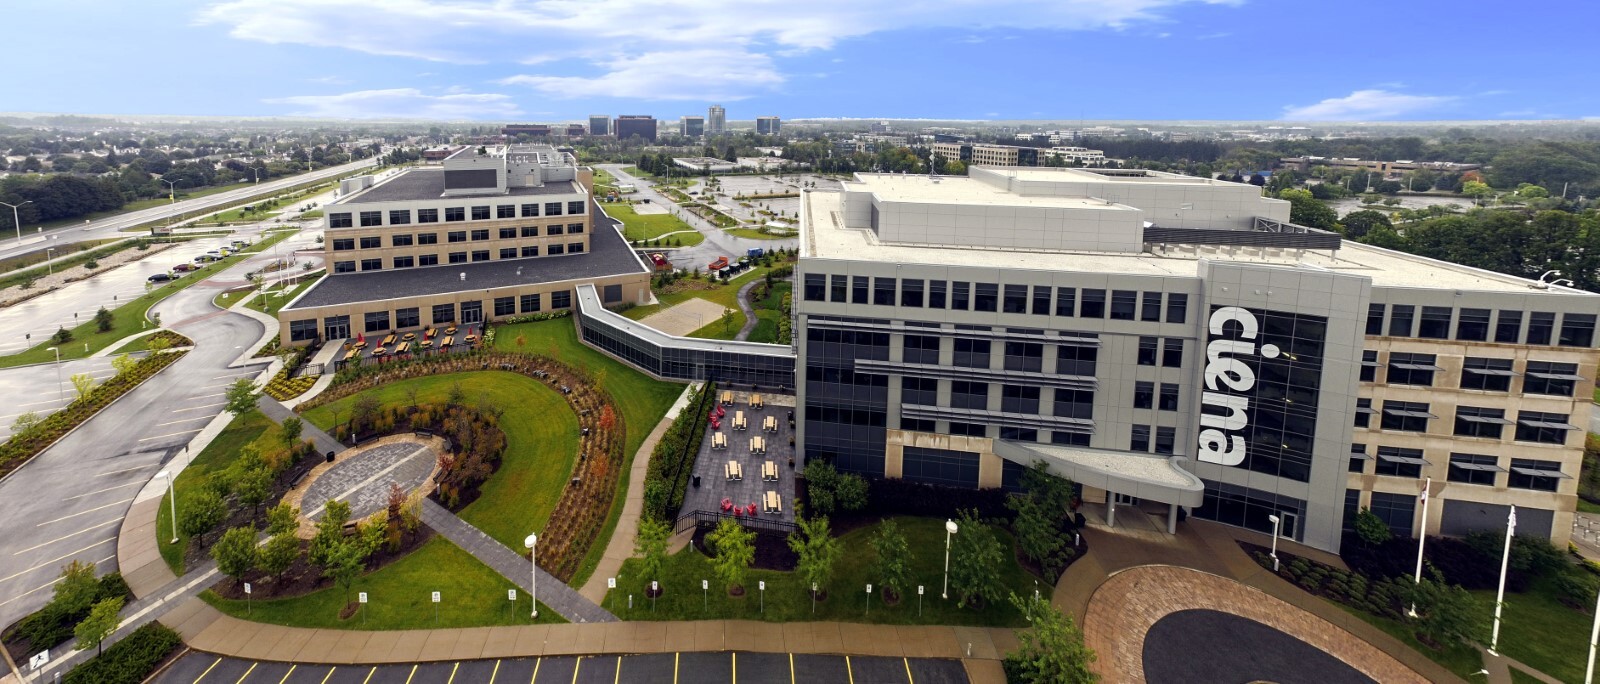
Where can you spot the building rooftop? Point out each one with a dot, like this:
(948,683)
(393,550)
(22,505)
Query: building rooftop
(426,184)
(1141,176)
(960,189)
(608,255)
(825,236)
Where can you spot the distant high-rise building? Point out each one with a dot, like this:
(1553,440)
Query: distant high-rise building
(716,120)
(531,130)
(767,125)
(599,124)
(881,127)
(692,126)
(641,125)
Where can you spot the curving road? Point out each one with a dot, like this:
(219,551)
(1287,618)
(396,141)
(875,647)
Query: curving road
(718,242)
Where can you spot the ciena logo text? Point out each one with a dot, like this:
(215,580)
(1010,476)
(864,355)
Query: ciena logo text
(1229,381)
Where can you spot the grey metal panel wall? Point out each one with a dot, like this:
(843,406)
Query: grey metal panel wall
(1242,238)
(1463,517)
(473,178)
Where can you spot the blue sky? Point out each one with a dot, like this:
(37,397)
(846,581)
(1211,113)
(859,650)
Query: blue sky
(552,60)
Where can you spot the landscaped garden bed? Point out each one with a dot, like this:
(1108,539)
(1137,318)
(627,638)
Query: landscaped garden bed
(74,594)
(131,660)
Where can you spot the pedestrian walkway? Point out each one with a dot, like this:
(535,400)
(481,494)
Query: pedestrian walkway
(276,411)
(620,547)
(511,565)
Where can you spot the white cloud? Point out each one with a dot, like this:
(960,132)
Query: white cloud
(401,103)
(1367,105)
(709,74)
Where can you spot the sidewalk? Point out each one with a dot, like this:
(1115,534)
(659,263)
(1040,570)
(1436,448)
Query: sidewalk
(277,412)
(620,546)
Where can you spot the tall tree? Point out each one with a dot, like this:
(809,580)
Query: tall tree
(202,513)
(1051,650)
(279,554)
(736,551)
(241,396)
(975,561)
(650,545)
(1041,518)
(893,567)
(235,552)
(101,623)
(816,551)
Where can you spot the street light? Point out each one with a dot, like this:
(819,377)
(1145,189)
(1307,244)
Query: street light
(14,218)
(59,387)
(47,258)
(1276,525)
(1422,539)
(949,531)
(533,553)
(172,190)
(172,496)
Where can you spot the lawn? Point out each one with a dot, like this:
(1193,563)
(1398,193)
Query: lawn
(1520,677)
(399,596)
(188,193)
(651,226)
(541,444)
(313,214)
(217,456)
(769,310)
(755,234)
(1538,630)
(726,294)
(129,318)
(643,400)
(787,599)
(238,215)
(1462,659)
(274,300)
(1586,506)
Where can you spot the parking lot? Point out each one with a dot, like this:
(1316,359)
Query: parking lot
(655,668)
(765,185)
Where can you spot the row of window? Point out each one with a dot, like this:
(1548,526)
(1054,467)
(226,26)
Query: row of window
(1145,397)
(457,257)
(1019,356)
(1166,438)
(409,239)
(1474,325)
(402,217)
(1477,373)
(1020,399)
(442,314)
(1525,473)
(982,430)
(1470,421)
(1042,300)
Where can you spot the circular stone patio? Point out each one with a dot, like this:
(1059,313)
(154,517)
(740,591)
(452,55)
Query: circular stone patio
(1164,624)
(362,475)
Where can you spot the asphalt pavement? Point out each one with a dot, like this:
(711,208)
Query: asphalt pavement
(717,243)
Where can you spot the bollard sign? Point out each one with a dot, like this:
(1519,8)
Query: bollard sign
(511,594)
(247,588)
(436,597)
(362,597)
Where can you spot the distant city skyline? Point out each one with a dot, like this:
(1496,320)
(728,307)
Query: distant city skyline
(1005,60)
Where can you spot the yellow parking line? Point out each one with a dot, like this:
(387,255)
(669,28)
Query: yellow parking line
(413,674)
(246,673)
(536,662)
(575,666)
(452,678)
(286,674)
(208,671)
(369,674)
(909,679)
(791,668)
(849,670)
(735,662)
(328,676)
(495,673)
(618,679)
(675,668)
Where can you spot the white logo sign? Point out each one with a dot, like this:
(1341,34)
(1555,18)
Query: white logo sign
(1226,373)
(611,583)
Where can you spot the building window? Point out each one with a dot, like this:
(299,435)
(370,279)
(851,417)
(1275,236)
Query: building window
(1543,428)
(959,293)
(1139,438)
(400,240)
(1369,365)
(505,306)
(427,216)
(458,257)
(1094,304)
(1019,434)
(1472,325)
(1066,300)
(1435,323)
(1375,318)
(505,211)
(1552,379)
(455,214)
(480,213)
(968,429)
(883,291)
(1150,307)
(377,321)
(554,229)
(456,236)
(480,255)
(302,330)
(1577,330)
(1473,469)
(936,294)
(480,235)
(1166,440)
(971,353)
(1144,395)
(969,395)
(858,289)
(371,242)
(1399,462)
(1069,438)
(508,233)
(1041,300)
(1016,300)
(530,302)
(1169,397)
(1073,404)
(1508,326)
(529,231)
(1019,399)
(530,251)
(1411,369)
(1543,476)
(1400,320)
(341,220)
(404,262)
(1024,356)
(399,217)
(428,260)
(575,208)
(1172,353)
(561,299)
(574,228)
(920,349)
(1364,413)
(919,391)
(1473,421)
(1123,303)
(1073,360)
(409,317)
(1358,458)
(444,313)
(344,244)
(371,218)
(530,211)
(371,264)
(1395,510)
(985,297)
(1493,375)
(918,425)
(911,292)
(1147,350)
(552,208)
(1177,308)
(1541,325)
(816,283)
(427,238)
(1406,416)
(555,250)
(508,252)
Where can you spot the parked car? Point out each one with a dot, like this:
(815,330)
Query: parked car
(207,258)
(184,268)
(240,244)
(161,278)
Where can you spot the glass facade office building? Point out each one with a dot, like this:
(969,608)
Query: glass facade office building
(682,358)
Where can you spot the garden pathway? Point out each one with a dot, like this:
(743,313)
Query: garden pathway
(510,564)
(277,412)
(750,319)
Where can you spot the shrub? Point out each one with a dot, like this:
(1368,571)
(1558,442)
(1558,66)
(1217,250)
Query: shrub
(129,661)
(673,457)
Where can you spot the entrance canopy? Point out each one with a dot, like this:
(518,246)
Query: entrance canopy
(1150,477)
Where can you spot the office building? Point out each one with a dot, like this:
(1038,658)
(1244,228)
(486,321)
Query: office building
(1173,342)
(509,231)
(643,126)
(716,120)
(767,125)
(531,130)
(692,126)
(599,124)
(981,154)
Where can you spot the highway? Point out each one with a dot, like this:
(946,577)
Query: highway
(112,226)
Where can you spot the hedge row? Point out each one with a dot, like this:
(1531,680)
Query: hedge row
(22,447)
(129,661)
(667,481)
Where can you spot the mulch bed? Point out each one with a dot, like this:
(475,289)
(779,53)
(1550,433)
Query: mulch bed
(772,550)
(239,516)
(303,578)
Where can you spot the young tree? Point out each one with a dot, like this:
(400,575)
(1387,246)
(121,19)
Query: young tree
(282,518)
(235,552)
(292,429)
(330,533)
(251,479)
(83,383)
(1372,530)
(651,547)
(850,492)
(894,558)
(77,589)
(1051,651)
(101,623)
(975,560)
(205,510)
(363,412)
(123,363)
(279,554)
(816,551)
(344,564)
(1039,524)
(104,320)
(736,551)
(727,321)
(1447,612)
(25,422)
(241,396)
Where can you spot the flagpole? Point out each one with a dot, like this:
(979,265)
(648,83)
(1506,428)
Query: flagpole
(1500,596)
(1422,538)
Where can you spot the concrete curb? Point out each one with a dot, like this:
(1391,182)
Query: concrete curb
(271,324)
(120,343)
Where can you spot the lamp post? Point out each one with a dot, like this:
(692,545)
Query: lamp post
(1277,524)
(949,531)
(61,390)
(172,496)
(49,266)
(172,190)
(1422,539)
(1594,636)
(14,219)
(533,554)
(1500,596)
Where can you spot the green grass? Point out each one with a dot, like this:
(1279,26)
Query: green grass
(313,214)
(218,456)
(726,294)
(239,215)
(769,310)
(1539,631)
(399,597)
(139,344)
(128,317)
(1462,659)
(643,400)
(787,599)
(1586,506)
(651,226)
(1520,677)
(541,444)
(755,234)
(163,200)
(274,300)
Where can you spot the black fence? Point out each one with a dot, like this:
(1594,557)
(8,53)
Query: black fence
(709,520)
